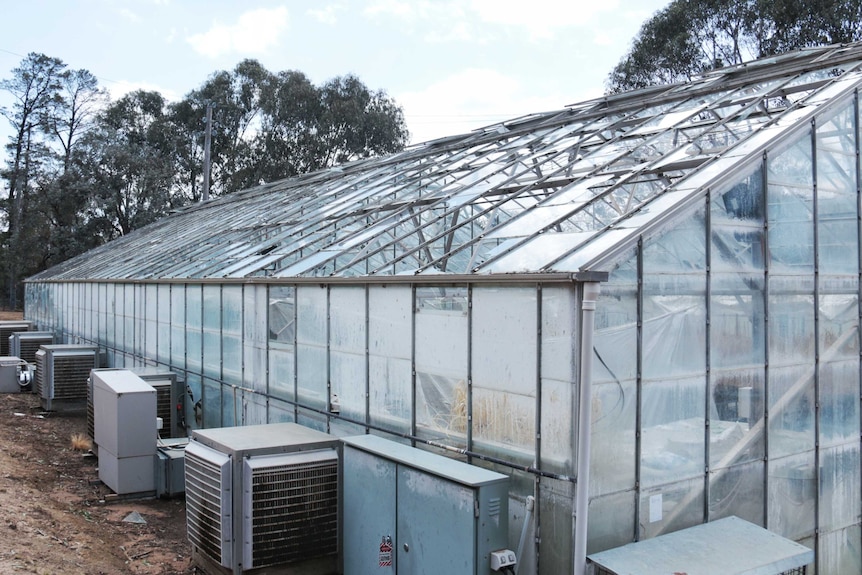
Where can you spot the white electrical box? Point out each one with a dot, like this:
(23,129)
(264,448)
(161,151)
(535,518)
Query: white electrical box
(125,430)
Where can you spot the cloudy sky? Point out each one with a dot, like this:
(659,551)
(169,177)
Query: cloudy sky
(453,65)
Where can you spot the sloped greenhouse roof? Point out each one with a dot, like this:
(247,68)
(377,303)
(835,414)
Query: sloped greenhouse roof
(566,191)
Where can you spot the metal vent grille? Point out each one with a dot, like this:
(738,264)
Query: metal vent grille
(7,328)
(291,508)
(70,376)
(208,517)
(164,406)
(24,345)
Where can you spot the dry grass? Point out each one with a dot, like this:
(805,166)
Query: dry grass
(80,442)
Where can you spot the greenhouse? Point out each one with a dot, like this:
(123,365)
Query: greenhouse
(666,281)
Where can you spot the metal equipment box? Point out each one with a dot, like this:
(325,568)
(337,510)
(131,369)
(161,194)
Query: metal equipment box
(170,467)
(125,430)
(9,369)
(413,511)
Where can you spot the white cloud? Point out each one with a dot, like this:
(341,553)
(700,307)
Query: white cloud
(254,33)
(468,100)
(130,15)
(327,14)
(119,88)
(541,18)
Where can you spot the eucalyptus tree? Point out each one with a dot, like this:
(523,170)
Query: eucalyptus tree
(35,87)
(688,37)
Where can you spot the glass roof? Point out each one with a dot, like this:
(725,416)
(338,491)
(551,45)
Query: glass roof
(563,191)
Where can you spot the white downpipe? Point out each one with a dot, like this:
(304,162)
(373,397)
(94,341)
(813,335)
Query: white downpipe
(585,401)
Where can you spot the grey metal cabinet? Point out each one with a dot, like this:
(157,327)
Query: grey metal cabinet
(438,515)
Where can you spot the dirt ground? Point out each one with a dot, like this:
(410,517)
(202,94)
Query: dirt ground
(56,517)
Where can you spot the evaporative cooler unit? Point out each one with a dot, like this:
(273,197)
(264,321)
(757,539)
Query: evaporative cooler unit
(25,344)
(62,372)
(263,498)
(7,328)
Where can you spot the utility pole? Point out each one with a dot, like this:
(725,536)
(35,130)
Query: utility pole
(205,194)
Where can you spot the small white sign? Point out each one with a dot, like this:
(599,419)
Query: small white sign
(655,512)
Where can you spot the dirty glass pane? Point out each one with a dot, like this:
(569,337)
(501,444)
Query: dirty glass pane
(614,409)
(737,321)
(670,508)
(839,403)
(347,351)
(611,521)
(738,491)
(791,327)
(212,402)
(791,410)
(840,551)
(390,345)
(673,427)
(311,353)
(790,195)
(178,326)
(504,371)
(282,302)
(149,309)
(255,409)
(840,492)
(163,353)
(212,336)
(194,336)
(558,415)
(279,411)
(736,219)
(441,363)
(254,337)
(736,415)
(232,334)
(556,499)
(791,485)
(836,193)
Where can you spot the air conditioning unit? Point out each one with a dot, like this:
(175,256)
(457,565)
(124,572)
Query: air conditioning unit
(25,344)
(62,372)
(169,399)
(263,497)
(7,328)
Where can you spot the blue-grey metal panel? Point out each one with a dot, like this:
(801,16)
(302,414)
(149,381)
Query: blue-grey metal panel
(368,511)
(724,547)
(436,524)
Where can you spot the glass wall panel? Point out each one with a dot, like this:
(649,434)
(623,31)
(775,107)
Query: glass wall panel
(790,197)
(255,409)
(212,336)
(611,521)
(840,552)
(194,333)
(839,403)
(791,410)
(390,328)
(231,334)
(504,346)
(736,220)
(178,326)
(282,342)
(791,484)
(614,409)
(555,513)
(312,363)
(163,354)
(281,412)
(738,491)
(129,319)
(255,306)
(837,236)
(840,480)
(736,416)
(441,364)
(212,402)
(558,365)
(670,508)
(347,351)
(149,306)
